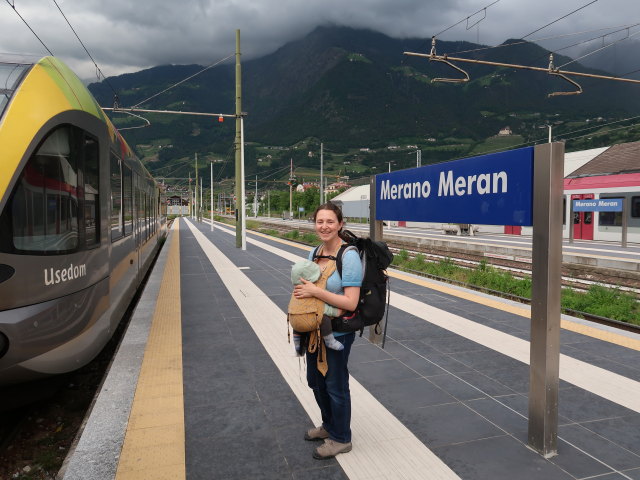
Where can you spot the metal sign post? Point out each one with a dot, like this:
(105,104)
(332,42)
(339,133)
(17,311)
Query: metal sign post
(625,223)
(211,195)
(375,226)
(517,187)
(546,275)
(375,233)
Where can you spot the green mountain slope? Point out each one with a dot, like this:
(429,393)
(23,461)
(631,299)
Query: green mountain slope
(355,89)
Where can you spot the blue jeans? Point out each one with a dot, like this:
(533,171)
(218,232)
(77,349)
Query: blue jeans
(332,392)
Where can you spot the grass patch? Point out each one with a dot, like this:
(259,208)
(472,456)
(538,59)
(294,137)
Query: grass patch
(597,300)
(605,302)
(309,237)
(497,143)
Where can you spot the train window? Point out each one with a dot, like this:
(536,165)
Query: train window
(143,196)
(43,211)
(127,197)
(91,191)
(139,208)
(610,219)
(635,207)
(147,215)
(11,74)
(117,227)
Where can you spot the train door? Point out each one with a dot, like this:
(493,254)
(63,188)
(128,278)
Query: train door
(582,221)
(513,229)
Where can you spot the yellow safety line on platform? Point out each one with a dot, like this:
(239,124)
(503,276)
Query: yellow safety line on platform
(154,446)
(587,330)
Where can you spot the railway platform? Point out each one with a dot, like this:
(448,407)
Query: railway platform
(206,386)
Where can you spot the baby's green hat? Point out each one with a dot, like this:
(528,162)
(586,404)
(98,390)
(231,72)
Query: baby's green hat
(305,269)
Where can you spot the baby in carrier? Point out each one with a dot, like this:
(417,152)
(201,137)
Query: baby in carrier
(311,314)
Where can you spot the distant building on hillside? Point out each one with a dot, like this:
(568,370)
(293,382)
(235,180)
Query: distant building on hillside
(303,187)
(505,132)
(334,187)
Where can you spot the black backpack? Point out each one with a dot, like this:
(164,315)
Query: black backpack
(374,292)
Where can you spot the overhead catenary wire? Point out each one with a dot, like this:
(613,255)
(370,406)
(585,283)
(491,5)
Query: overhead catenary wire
(139,126)
(567,139)
(467,19)
(600,49)
(98,71)
(558,19)
(593,134)
(629,73)
(184,80)
(621,29)
(599,37)
(604,125)
(12,5)
(554,37)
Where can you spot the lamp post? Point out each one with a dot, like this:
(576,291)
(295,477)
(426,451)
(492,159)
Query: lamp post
(418,158)
(211,206)
(255,200)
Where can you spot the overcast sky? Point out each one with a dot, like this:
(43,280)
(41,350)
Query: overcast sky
(129,35)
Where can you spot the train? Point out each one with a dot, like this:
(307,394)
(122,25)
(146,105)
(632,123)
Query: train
(81,220)
(597,225)
(604,225)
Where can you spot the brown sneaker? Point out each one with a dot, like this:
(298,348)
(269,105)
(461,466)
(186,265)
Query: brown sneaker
(316,433)
(331,448)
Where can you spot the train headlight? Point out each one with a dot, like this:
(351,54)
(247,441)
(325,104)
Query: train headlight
(4,344)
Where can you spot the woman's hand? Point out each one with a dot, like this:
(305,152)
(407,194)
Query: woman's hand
(306,289)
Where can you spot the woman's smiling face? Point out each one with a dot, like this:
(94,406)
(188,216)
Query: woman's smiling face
(327,225)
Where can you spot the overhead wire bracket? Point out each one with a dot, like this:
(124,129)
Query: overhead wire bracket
(556,72)
(433,57)
(551,70)
(469,27)
(148,124)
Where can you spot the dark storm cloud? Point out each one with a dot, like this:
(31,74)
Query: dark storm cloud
(127,36)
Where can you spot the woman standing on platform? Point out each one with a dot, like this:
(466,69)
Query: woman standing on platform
(331,389)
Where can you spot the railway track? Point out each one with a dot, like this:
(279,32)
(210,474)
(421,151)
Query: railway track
(523,270)
(576,276)
(572,276)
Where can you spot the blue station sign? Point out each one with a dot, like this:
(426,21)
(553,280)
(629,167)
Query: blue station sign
(495,189)
(598,205)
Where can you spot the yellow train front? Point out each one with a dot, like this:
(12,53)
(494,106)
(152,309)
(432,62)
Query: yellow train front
(80,221)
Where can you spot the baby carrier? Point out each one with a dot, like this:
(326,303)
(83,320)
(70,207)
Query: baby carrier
(305,315)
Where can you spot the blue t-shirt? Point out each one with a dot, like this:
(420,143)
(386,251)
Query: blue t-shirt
(351,273)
